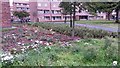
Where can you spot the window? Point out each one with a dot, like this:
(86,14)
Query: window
(19,3)
(39,4)
(40,12)
(54,5)
(24,4)
(47,18)
(45,5)
(46,11)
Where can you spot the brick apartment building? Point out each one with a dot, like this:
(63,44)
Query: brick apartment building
(49,10)
(5,13)
(19,6)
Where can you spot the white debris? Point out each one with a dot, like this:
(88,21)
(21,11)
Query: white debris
(114,63)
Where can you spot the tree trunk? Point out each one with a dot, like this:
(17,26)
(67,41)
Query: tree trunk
(21,20)
(117,16)
(108,15)
(74,18)
(70,19)
(65,19)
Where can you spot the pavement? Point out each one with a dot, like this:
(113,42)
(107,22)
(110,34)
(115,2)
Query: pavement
(91,26)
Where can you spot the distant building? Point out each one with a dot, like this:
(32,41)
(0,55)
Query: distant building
(5,14)
(49,10)
(19,6)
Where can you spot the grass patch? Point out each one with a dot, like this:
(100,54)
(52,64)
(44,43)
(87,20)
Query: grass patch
(95,22)
(103,23)
(79,54)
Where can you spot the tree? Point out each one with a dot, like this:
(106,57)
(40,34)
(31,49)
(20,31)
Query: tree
(70,8)
(117,11)
(104,7)
(21,14)
(64,12)
(67,8)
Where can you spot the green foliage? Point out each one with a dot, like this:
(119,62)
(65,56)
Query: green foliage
(77,55)
(82,32)
(108,7)
(66,7)
(21,14)
(108,43)
(90,54)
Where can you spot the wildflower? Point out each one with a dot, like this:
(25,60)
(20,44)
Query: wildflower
(86,43)
(50,43)
(6,57)
(19,43)
(114,63)
(23,50)
(34,46)
(35,49)
(23,44)
(5,37)
(27,47)
(36,31)
(31,40)
(14,37)
(90,44)
(14,49)
(41,42)
(49,47)
(47,43)
(13,34)
(53,32)
(36,42)
(77,40)
(50,29)
(70,44)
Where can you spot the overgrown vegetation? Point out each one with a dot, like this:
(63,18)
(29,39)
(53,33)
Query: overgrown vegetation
(6,29)
(82,32)
(85,52)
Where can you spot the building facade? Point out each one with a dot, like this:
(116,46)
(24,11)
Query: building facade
(19,6)
(5,18)
(49,10)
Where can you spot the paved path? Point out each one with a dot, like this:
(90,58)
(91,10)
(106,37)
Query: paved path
(93,26)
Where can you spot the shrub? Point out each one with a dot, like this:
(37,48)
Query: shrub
(90,54)
(82,32)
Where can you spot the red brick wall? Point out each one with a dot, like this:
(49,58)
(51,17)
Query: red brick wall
(33,11)
(6,14)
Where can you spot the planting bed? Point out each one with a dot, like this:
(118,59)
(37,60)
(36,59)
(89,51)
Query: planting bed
(29,37)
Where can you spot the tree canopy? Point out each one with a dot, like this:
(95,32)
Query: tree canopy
(21,14)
